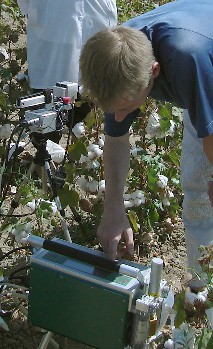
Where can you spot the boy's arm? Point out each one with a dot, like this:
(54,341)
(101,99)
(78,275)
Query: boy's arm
(114,225)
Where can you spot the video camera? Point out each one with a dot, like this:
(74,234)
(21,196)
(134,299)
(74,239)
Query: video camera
(48,111)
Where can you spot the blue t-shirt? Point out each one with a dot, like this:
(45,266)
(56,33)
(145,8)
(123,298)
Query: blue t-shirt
(181,33)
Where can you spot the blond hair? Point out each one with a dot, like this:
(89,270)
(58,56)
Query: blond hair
(116,63)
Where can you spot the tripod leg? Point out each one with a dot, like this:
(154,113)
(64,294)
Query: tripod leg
(47,338)
(44,180)
(44,176)
(15,201)
(57,201)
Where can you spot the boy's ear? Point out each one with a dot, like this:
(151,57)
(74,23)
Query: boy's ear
(155,69)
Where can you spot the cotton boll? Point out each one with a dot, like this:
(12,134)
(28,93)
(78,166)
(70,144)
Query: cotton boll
(127,196)
(201,296)
(13,189)
(102,186)
(53,206)
(166,201)
(5,131)
(98,151)
(101,142)
(153,126)
(82,183)
(134,152)
(92,186)
(209,314)
(6,88)
(92,147)
(137,202)
(134,195)
(79,129)
(128,203)
(94,165)
(4,53)
(190,297)
(95,150)
(32,204)
(21,77)
(172,128)
(169,344)
(162,181)
(102,182)
(170,194)
(140,195)
(83,158)
(91,155)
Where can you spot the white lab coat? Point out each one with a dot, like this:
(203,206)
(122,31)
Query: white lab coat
(56,32)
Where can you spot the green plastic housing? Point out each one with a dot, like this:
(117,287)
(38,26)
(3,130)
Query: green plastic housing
(81,302)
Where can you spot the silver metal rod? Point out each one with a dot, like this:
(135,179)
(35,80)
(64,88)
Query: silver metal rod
(155,276)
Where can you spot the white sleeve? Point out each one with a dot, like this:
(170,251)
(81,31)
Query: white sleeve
(23,5)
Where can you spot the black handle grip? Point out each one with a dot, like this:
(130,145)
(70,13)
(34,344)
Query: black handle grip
(85,255)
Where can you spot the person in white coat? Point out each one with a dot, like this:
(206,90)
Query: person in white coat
(56,32)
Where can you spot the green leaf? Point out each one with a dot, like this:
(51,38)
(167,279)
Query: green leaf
(180,317)
(1,271)
(153,216)
(90,119)
(179,307)
(174,156)
(2,151)
(68,197)
(77,149)
(133,219)
(151,179)
(205,340)
(45,206)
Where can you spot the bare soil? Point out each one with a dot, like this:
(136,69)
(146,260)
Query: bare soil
(170,247)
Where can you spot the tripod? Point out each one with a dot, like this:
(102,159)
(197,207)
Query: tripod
(42,160)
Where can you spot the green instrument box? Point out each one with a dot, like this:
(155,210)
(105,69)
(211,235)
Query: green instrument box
(80,301)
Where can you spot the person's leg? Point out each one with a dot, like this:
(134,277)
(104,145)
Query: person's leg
(196,171)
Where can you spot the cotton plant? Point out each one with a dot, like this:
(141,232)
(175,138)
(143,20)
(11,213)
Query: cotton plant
(191,297)
(21,232)
(21,77)
(4,53)
(91,185)
(134,199)
(183,337)
(79,130)
(101,140)
(205,296)
(153,128)
(5,131)
(101,188)
(162,182)
(135,151)
(93,151)
(34,204)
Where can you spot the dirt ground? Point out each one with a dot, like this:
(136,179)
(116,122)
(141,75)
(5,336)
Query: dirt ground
(171,248)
